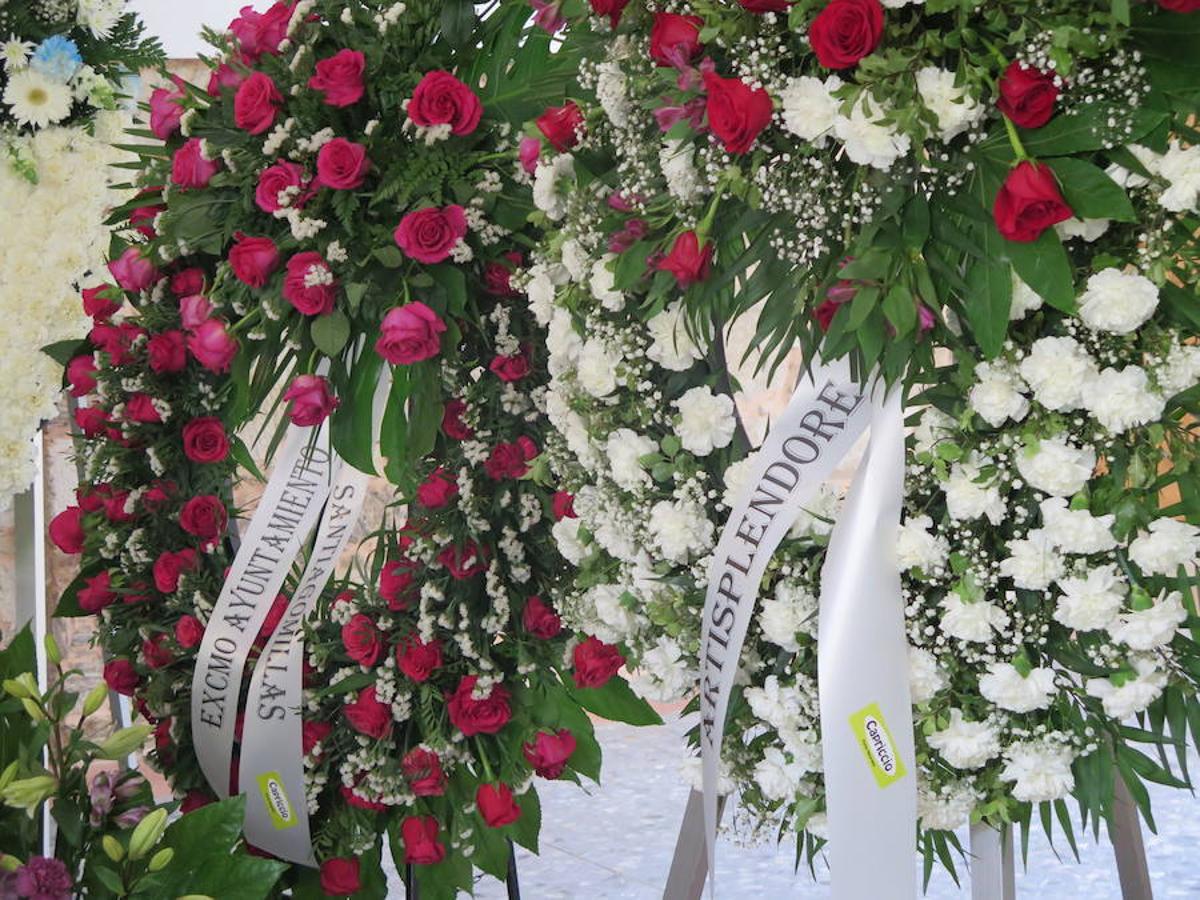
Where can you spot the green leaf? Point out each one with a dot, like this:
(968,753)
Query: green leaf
(389,256)
(243,457)
(1090,193)
(1085,131)
(525,830)
(351,425)
(68,603)
(1044,266)
(916,222)
(355,291)
(1120,11)
(331,332)
(631,265)
(62,352)
(988,303)
(900,309)
(458,22)
(616,701)
(453,284)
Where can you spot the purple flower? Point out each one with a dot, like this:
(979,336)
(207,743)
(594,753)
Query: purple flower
(547,15)
(634,231)
(131,816)
(925,318)
(102,797)
(128,786)
(44,879)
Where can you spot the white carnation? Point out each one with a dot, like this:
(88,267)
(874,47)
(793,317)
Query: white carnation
(949,808)
(615,621)
(1117,302)
(1133,695)
(1180,370)
(776,777)
(563,342)
(997,394)
(918,547)
(625,449)
(1006,687)
(706,421)
(1168,545)
(1148,629)
(663,674)
(683,181)
(1041,770)
(809,107)
(966,745)
(971,622)
(603,284)
(736,478)
(1123,399)
(611,92)
(969,498)
(792,611)
(597,368)
(566,536)
(954,108)
(546,177)
(1056,467)
(1077,530)
(1181,168)
(1024,299)
(867,138)
(1091,602)
(1056,369)
(672,347)
(1032,563)
(925,676)
(681,529)
(541,289)
(1088,229)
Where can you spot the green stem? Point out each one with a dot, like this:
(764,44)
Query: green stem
(487,769)
(1015,140)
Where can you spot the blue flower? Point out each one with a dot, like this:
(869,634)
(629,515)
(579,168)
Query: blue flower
(56,58)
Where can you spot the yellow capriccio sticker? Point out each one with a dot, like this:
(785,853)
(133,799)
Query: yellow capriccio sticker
(877,745)
(270,785)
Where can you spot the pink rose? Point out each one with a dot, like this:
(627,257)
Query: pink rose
(274,180)
(223,76)
(312,400)
(133,272)
(253,259)
(120,675)
(428,235)
(409,334)
(549,752)
(342,165)
(258,33)
(309,284)
(441,99)
(189,168)
(256,103)
(193,310)
(529,151)
(165,111)
(340,78)
(101,301)
(212,346)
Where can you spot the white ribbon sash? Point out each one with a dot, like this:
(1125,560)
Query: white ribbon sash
(826,415)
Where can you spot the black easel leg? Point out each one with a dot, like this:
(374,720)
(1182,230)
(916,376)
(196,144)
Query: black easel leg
(410,883)
(514,886)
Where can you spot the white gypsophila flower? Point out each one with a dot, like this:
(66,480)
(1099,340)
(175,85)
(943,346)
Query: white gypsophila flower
(612,93)
(706,421)
(1180,370)
(1056,370)
(1149,629)
(1134,694)
(1168,545)
(1040,770)
(971,622)
(680,529)
(737,479)
(35,100)
(869,140)
(575,260)
(1006,687)
(566,538)
(541,289)
(1033,563)
(933,426)
(615,622)
(676,159)
(546,177)
(1180,166)
(1024,300)
(949,808)
(1056,467)
(1117,302)
(953,107)
(964,744)
(791,611)
(969,498)
(918,547)
(925,676)
(672,347)
(663,674)
(1090,602)
(1123,399)
(596,368)
(625,449)
(809,107)
(776,777)
(1088,229)
(1076,530)
(603,284)
(997,394)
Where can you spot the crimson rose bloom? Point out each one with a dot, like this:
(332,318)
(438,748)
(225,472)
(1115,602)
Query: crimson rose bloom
(223,76)
(610,8)
(120,675)
(423,770)
(428,235)
(253,259)
(189,631)
(596,662)
(737,113)
(441,99)
(540,620)
(212,346)
(309,284)
(170,565)
(561,125)
(395,583)
(462,562)
(204,440)
(675,39)
(189,168)
(511,368)
(453,425)
(1180,6)
(167,352)
(496,805)
(409,334)
(204,517)
(563,505)
(687,261)
(98,302)
(417,659)
(256,103)
(194,800)
(96,593)
(140,408)
(339,876)
(312,733)
(66,530)
(1027,95)
(510,460)
(258,33)
(312,400)
(79,375)
(548,753)
(437,489)
(142,219)
(90,421)
(765,6)
(273,180)
(421,844)
(845,31)
(340,78)
(186,282)
(362,640)
(133,271)
(165,111)
(154,653)
(367,715)
(342,165)
(1029,202)
(471,716)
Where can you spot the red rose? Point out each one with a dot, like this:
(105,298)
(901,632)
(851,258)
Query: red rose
(453,425)
(99,303)
(765,6)
(121,677)
(497,275)
(186,282)
(485,716)
(463,562)
(675,40)
(423,770)
(1029,202)
(275,180)
(170,565)
(342,165)
(133,271)
(687,261)
(563,506)
(190,169)
(204,517)
(157,495)
(610,8)
(496,805)
(367,715)
(362,640)
(256,103)
(437,489)
(1027,95)
(511,368)
(167,352)
(395,583)
(155,654)
(548,753)
(417,659)
(258,33)
(115,340)
(165,111)
(223,76)
(351,796)
(339,876)
(194,309)
(79,375)
(274,616)
(510,460)
(189,631)
(312,733)
(540,620)
(91,421)
(562,125)
(142,219)
(195,800)
(596,662)
(1180,6)
(845,31)
(409,334)
(309,284)
(441,99)
(140,408)
(311,400)
(253,259)
(66,530)
(204,440)
(212,346)
(737,113)
(340,78)
(114,507)
(92,499)
(428,235)
(421,844)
